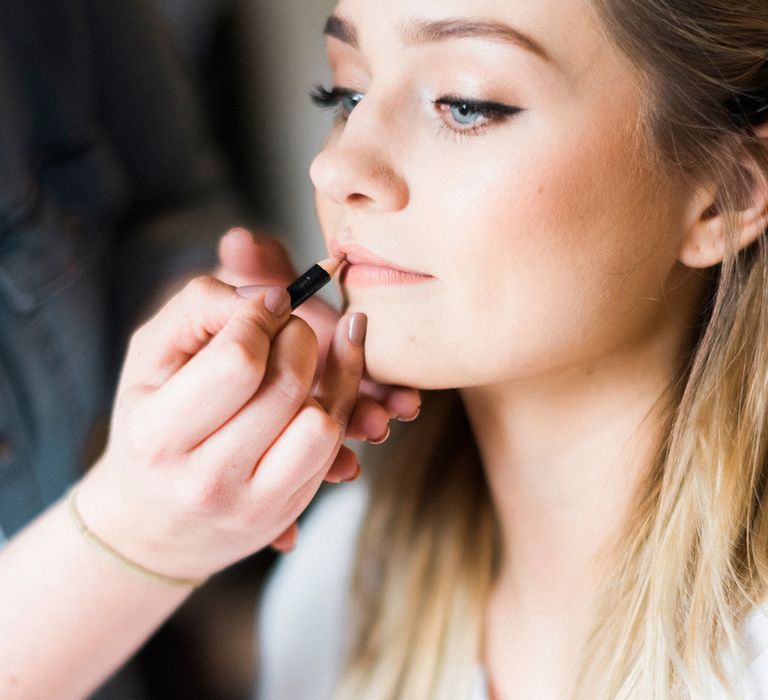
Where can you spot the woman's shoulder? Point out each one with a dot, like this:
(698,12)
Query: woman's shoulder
(301,618)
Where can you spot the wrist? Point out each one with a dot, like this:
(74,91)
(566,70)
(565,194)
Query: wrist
(118,557)
(117,520)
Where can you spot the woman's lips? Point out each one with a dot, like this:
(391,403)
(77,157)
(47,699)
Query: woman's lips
(362,268)
(367,275)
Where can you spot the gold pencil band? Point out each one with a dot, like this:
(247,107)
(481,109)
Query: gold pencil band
(101,545)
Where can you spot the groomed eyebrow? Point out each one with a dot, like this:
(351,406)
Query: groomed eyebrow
(342,30)
(426,31)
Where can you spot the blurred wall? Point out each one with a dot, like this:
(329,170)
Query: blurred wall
(255,62)
(282,55)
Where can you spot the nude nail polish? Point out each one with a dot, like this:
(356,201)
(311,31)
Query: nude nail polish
(409,419)
(382,439)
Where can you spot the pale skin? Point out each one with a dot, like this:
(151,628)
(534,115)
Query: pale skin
(220,437)
(561,275)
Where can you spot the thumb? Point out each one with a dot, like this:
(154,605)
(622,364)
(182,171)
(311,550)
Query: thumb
(339,385)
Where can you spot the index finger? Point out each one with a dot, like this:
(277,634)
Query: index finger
(180,330)
(223,375)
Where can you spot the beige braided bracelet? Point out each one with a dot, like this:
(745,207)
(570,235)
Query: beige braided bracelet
(121,559)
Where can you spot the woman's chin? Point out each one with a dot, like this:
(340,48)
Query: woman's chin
(399,352)
(403,369)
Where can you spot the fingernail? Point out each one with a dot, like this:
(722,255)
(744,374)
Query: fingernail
(355,476)
(409,419)
(381,440)
(358,324)
(237,232)
(278,301)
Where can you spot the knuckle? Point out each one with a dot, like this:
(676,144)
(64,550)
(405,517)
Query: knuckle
(238,360)
(319,424)
(301,346)
(205,496)
(155,456)
(292,386)
(143,442)
(199,288)
(253,325)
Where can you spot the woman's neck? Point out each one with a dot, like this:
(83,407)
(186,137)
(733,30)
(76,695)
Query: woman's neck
(564,456)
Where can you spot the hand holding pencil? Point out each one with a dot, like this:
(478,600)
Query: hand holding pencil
(217,441)
(252,258)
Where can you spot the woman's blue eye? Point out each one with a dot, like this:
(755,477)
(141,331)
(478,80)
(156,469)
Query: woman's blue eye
(459,114)
(464,113)
(342,99)
(348,101)
(472,115)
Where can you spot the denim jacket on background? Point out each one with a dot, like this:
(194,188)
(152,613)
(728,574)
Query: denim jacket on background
(108,186)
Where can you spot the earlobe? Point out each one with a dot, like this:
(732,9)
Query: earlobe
(707,236)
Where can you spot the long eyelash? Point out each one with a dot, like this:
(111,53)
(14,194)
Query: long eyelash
(325,99)
(328,99)
(479,105)
(487,109)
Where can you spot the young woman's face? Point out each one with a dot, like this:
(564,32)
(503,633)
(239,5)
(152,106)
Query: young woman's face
(485,180)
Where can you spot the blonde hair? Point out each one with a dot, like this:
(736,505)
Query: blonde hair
(694,557)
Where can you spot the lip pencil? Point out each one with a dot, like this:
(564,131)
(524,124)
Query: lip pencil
(313,280)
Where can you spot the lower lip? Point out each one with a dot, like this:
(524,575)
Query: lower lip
(377,276)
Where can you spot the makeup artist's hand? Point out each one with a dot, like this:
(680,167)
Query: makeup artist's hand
(217,443)
(257,258)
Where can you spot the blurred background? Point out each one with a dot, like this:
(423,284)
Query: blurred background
(253,63)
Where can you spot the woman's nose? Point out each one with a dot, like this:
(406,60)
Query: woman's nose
(358,176)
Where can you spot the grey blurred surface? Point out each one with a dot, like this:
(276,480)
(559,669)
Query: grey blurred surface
(257,62)
(284,57)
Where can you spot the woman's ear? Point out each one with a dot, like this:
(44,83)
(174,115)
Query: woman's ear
(704,244)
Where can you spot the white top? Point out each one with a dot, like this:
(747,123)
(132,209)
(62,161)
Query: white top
(300,626)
